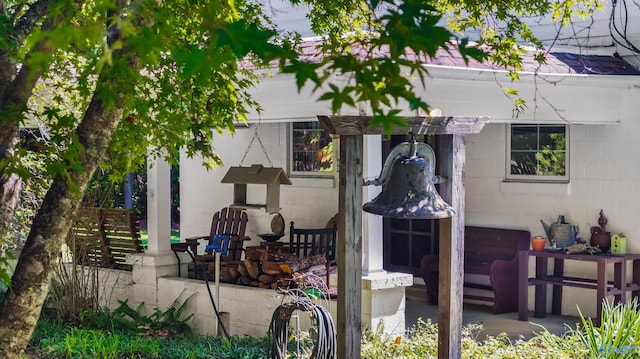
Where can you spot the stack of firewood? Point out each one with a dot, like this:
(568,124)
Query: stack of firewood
(267,267)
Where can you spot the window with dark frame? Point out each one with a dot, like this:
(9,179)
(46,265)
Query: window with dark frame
(311,149)
(537,152)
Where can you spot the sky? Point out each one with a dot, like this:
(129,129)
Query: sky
(289,17)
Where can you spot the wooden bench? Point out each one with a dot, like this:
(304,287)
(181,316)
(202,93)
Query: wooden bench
(489,253)
(104,237)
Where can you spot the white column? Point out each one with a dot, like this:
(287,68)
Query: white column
(372,224)
(159,206)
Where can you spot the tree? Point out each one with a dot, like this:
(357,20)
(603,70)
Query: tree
(162,75)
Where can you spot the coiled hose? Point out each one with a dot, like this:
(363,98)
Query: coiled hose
(325,346)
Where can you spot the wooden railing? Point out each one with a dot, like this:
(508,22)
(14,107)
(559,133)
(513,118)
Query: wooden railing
(104,237)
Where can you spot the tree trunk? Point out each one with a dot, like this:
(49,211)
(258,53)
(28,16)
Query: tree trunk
(21,308)
(11,186)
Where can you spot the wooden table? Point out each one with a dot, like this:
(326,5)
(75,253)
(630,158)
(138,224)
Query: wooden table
(618,287)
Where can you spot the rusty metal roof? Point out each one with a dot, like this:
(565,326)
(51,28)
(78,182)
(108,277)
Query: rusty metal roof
(556,62)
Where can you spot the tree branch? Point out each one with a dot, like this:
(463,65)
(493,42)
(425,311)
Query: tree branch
(27,22)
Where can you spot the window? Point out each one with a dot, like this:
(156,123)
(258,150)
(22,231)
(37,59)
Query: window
(537,153)
(311,149)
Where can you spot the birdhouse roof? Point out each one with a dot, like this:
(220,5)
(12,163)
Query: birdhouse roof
(256,174)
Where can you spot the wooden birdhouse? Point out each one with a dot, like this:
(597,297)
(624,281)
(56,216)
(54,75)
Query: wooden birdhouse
(272,177)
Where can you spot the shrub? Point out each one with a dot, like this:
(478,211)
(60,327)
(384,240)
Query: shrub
(617,336)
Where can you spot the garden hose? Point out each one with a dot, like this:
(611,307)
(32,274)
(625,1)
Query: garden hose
(325,346)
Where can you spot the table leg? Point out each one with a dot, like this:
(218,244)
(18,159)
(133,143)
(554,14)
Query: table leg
(541,289)
(523,285)
(601,289)
(635,277)
(619,281)
(558,272)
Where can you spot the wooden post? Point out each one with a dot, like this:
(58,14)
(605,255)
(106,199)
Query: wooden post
(351,129)
(349,254)
(451,277)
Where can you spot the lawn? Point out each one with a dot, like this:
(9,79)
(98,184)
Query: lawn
(144,235)
(114,335)
(54,340)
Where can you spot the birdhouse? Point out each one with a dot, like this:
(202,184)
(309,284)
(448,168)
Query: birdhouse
(272,177)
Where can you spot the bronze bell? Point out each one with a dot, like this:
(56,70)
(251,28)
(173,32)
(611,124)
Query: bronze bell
(408,189)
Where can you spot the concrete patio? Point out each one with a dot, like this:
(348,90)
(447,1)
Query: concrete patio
(417,307)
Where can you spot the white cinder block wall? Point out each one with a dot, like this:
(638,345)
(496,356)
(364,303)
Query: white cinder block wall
(604,174)
(604,171)
(310,202)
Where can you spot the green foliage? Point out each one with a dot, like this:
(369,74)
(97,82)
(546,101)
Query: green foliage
(58,341)
(73,292)
(421,341)
(124,317)
(552,158)
(6,269)
(617,336)
(192,82)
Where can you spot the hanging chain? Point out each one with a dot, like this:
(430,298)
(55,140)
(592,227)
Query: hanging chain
(256,136)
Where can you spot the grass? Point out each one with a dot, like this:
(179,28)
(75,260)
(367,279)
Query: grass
(144,236)
(54,340)
(126,333)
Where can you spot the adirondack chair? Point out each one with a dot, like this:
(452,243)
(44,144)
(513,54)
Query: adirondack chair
(231,222)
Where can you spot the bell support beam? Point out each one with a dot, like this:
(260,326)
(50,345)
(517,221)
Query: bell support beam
(451,237)
(350,217)
(418,125)
(350,249)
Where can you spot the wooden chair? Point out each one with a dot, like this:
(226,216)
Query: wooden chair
(231,222)
(305,242)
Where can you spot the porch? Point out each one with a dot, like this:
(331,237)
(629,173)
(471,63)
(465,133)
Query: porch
(416,307)
(248,310)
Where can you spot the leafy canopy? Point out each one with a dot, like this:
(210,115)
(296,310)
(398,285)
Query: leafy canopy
(194,56)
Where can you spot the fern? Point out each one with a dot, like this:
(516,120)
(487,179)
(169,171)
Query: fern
(125,317)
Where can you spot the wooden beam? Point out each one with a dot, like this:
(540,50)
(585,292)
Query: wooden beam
(359,125)
(349,254)
(451,277)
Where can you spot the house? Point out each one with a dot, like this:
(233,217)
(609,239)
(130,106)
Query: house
(582,101)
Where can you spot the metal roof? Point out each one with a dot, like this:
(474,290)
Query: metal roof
(556,62)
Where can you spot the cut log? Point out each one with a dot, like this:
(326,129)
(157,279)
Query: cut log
(242,269)
(253,269)
(272,268)
(256,253)
(267,279)
(229,273)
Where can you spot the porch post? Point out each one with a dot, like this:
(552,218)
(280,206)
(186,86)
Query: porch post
(372,246)
(451,163)
(159,206)
(158,260)
(350,248)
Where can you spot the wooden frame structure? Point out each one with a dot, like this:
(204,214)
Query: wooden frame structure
(451,162)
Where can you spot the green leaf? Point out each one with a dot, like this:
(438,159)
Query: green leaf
(244,38)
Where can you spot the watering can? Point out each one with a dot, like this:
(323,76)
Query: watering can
(561,233)
(618,244)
